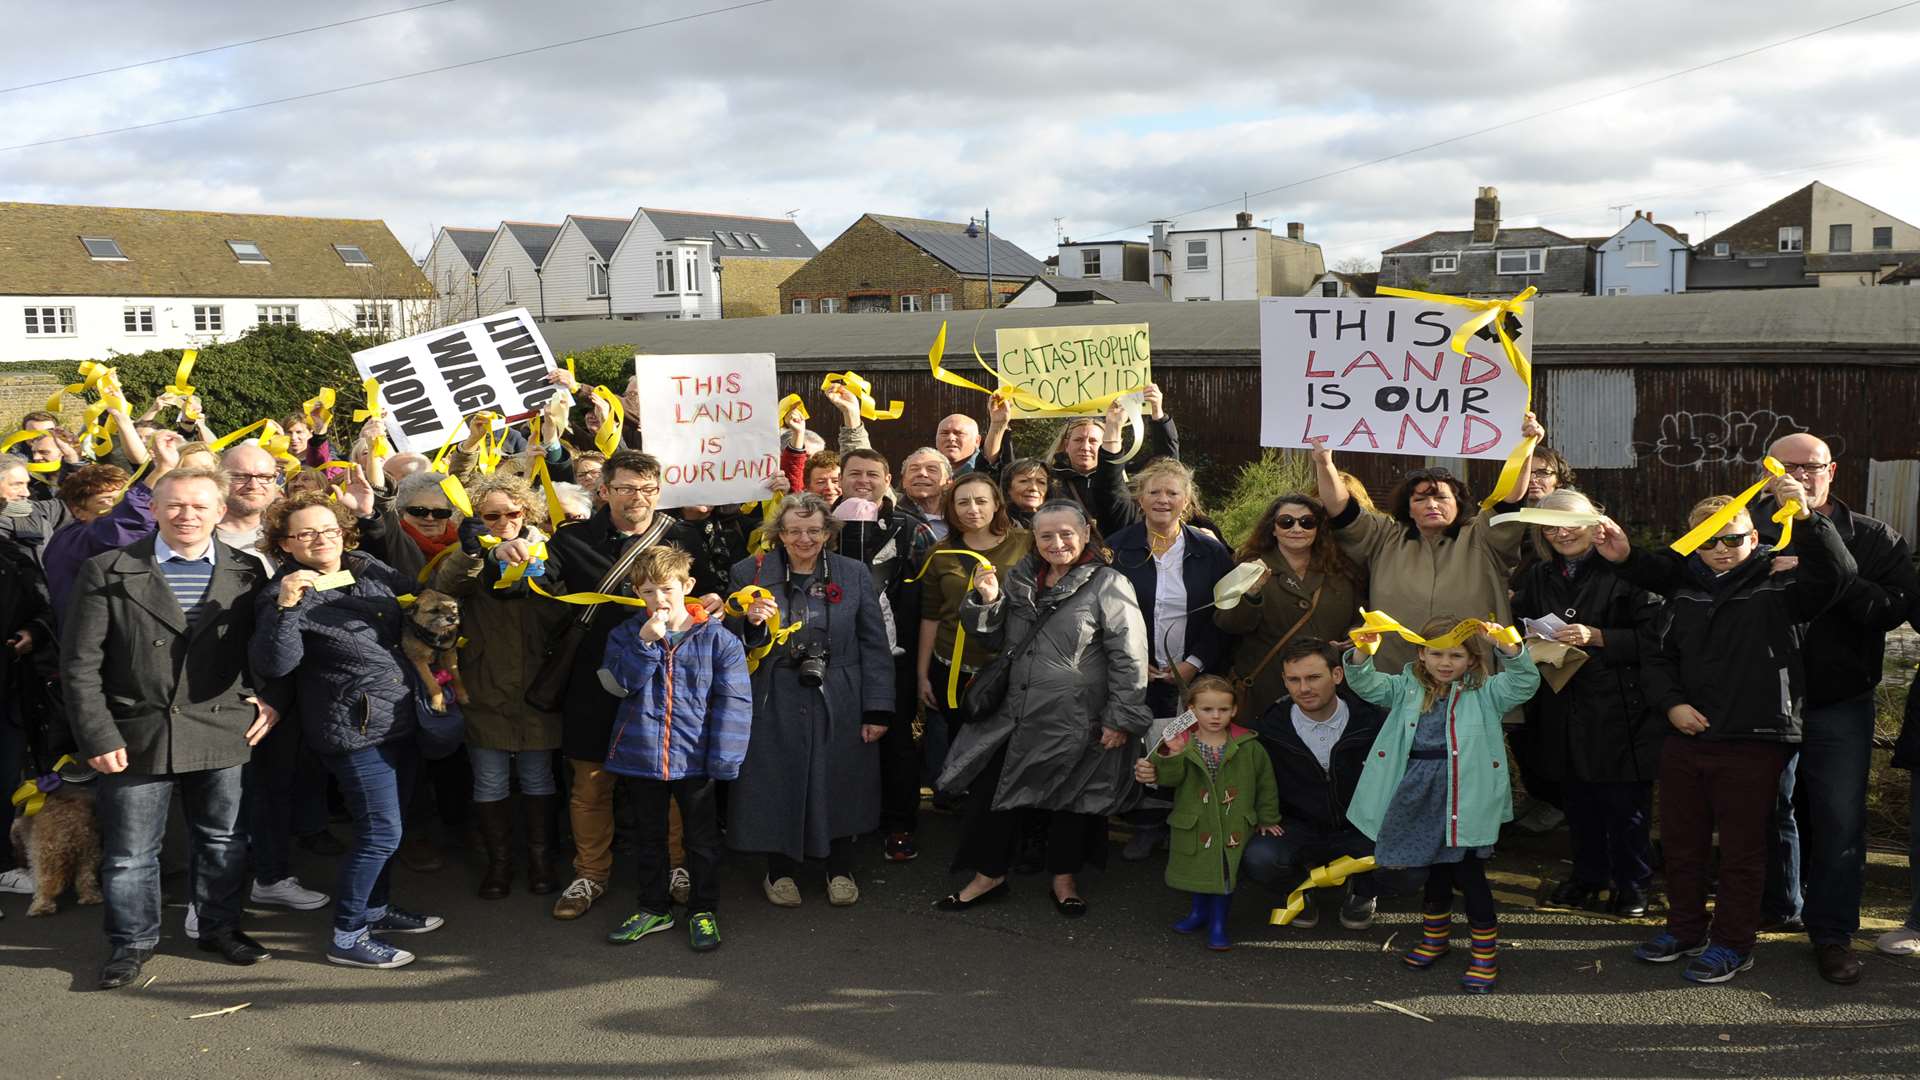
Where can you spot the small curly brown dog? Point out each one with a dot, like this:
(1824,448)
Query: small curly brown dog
(430,637)
(61,845)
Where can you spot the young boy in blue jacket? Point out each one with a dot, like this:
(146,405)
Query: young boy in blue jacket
(686,713)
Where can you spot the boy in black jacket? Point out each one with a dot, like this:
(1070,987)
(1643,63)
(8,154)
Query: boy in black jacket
(1729,678)
(1318,739)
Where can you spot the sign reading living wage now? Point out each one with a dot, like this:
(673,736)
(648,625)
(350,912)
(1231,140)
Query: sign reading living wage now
(711,421)
(430,381)
(1069,367)
(1377,376)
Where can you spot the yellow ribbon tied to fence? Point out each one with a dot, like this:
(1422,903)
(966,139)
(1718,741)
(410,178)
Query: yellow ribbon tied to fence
(371,389)
(863,390)
(1723,517)
(959,631)
(1493,313)
(607,438)
(1016,394)
(1377,622)
(1320,877)
(777,634)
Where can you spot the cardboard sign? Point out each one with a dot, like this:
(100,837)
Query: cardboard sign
(430,381)
(1376,376)
(711,421)
(1067,366)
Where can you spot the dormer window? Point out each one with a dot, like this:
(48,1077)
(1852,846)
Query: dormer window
(247,251)
(352,255)
(103,249)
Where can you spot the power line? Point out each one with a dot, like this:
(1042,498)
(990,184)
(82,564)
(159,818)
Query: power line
(1532,116)
(309,95)
(221,48)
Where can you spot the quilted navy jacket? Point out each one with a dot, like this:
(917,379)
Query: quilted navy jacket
(685,710)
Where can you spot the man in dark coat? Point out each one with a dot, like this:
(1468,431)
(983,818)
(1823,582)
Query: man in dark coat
(154,663)
(1819,851)
(1318,738)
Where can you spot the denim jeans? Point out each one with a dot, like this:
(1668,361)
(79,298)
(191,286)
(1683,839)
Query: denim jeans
(376,783)
(1818,858)
(283,795)
(490,768)
(133,820)
(1281,862)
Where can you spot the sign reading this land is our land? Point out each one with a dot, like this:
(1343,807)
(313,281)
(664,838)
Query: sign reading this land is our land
(711,421)
(430,382)
(1069,367)
(1376,376)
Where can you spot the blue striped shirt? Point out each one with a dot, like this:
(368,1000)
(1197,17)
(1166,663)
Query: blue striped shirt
(190,579)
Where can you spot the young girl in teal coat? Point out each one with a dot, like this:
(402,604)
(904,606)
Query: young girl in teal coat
(1224,793)
(1435,790)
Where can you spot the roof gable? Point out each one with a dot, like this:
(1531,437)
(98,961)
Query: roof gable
(1760,229)
(471,243)
(949,243)
(186,253)
(534,238)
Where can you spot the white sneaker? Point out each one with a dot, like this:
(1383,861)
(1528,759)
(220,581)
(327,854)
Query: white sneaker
(1901,942)
(193,923)
(18,880)
(680,884)
(289,893)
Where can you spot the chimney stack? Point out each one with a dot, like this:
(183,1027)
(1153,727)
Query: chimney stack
(1243,220)
(1296,230)
(1160,258)
(1486,216)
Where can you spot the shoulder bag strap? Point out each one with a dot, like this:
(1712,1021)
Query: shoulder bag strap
(1312,606)
(624,563)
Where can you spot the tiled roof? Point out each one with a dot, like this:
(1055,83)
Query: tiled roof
(603,233)
(185,253)
(1456,240)
(471,242)
(534,238)
(783,238)
(1361,284)
(1778,272)
(949,243)
(1856,261)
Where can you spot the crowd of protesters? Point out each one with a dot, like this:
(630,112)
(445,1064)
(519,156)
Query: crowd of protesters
(532,652)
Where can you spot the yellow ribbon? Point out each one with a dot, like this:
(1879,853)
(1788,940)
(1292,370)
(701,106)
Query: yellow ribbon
(487,456)
(787,406)
(736,606)
(1699,534)
(29,435)
(607,439)
(371,389)
(511,573)
(1783,517)
(236,435)
(1320,877)
(585,598)
(274,441)
(98,431)
(1376,622)
(959,630)
(28,796)
(1534,515)
(1493,312)
(92,374)
(542,478)
(181,388)
(456,493)
(1019,395)
(862,389)
(319,409)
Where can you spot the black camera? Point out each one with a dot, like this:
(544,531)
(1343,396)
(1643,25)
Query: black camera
(812,662)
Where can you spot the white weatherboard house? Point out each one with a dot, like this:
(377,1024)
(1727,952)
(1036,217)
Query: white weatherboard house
(510,270)
(88,282)
(453,266)
(577,271)
(670,264)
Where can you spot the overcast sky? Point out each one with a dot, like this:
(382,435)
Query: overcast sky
(1103,115)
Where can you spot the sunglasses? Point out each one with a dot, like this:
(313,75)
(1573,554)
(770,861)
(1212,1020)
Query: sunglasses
(1288,521)
(504,515)
(437,513)
(1728,541)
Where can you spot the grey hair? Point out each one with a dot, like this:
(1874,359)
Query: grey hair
(946,467)
(12,461)
(804,503)
(404,492)
(218,477)
(1569,499)
(1065,506)
(573,499)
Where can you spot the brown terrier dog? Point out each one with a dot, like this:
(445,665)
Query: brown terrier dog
(430,637)
(61,845)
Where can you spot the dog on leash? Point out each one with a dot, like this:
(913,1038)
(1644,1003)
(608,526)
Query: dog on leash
(430,637)
(61,846)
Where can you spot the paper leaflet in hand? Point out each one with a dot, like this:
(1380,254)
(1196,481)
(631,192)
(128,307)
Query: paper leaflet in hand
(1547,626)
(1175,727)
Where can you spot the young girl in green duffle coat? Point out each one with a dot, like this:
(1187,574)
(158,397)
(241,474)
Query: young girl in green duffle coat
(1224,793)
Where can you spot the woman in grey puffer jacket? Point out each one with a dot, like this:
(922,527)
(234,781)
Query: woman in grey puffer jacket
(1076,643)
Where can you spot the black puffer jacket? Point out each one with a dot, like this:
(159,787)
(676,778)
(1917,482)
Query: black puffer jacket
(1309,793)
(1597,728)
(342,649)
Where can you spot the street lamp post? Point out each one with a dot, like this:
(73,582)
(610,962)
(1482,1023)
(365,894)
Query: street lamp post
(974,228)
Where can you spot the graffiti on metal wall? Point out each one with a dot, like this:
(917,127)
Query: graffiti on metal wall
(1693,439)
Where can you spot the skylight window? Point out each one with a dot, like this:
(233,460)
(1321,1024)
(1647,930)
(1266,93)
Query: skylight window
(725,241)
(757,242)
(247,251)
(352,255)
(741,239)
(103,247)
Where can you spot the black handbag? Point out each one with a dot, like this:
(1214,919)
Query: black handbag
(988,688)
(439,734)
(547,690)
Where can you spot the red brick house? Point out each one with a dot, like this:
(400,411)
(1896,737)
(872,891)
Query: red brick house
(884,263)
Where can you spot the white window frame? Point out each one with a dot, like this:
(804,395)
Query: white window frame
(253,255)
(1444,264)
(209,318)
(1833,233)
(690,271)
(373,317)
(1722,249)
(802,306)
(342,249)
(121,253)
(829,305)
(911,302)
(277,315)
(509,284)
(1618,290)
(940,301)
(1090,262)
(1792,238)
(666,272)
(1536,260)
(1641,253)
(1197,248)
(137,319)
(597,283)
(41,316)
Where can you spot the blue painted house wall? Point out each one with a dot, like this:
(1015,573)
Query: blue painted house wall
(1668,274)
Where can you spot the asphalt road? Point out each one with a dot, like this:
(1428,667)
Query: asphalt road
(891,988)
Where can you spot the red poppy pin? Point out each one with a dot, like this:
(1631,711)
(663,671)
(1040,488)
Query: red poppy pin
(833,593)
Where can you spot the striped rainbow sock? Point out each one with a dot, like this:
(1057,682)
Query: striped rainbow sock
(1435,928)
(1482,972)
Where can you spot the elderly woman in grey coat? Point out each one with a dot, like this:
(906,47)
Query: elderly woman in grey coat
(1070,631)
(822,697)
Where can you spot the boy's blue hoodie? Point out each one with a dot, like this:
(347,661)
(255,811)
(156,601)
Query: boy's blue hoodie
(686,710)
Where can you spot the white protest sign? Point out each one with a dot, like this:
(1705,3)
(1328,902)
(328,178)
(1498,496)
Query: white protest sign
(1071,367)
(1376,376)
(711,422)
(430,381)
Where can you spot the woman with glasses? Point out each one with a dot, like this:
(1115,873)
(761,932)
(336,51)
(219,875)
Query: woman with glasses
(1596,738)
(506,633)
(331,623)
(822,697)
(1307,588)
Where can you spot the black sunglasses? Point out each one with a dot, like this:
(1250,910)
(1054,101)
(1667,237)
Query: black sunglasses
(1288,521)
(437,513)
(1729,540)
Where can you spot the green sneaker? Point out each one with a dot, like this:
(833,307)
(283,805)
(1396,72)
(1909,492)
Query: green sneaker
(703,931)
(639,925)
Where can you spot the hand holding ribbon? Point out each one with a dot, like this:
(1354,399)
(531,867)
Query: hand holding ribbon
(863,392)
(755,597)
(371,389)
(1374,624)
